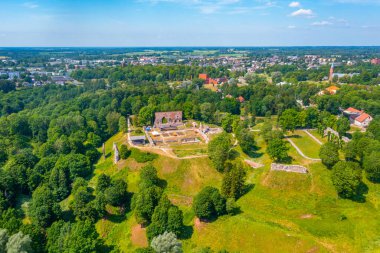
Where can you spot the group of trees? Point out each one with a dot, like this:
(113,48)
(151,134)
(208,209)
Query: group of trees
(292,119)
(351,96)
(7,85)
(210,203)
(277,148)
(48,148)
(362,153)
(152,207)
(17,243)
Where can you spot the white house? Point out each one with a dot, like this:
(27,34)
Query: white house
(363,120)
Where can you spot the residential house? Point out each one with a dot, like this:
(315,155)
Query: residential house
(363,120)
(358,117)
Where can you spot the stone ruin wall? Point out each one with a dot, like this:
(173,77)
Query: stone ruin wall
(173,118)
(289,168)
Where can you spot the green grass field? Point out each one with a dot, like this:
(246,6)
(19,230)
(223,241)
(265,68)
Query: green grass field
(189,149)
(318,136)
(282,212)
(306,143)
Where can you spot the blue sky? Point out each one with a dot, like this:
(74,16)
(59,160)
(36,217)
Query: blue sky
(189,22)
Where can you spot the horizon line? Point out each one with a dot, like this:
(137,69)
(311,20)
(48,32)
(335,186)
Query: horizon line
(269,46)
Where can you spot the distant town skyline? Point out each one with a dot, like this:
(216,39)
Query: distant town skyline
(164,23)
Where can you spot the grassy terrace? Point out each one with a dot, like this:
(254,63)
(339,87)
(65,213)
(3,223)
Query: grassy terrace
(189,149)
(318,136)
(282,212)
(306,143)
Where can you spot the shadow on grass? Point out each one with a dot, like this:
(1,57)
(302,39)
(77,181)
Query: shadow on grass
(247,188)
(360,195)
(105,248)
(295,136)
(117,218)
(187,232)
(236,211)
(286,160)
(162,183)
(233,154)
(254,154)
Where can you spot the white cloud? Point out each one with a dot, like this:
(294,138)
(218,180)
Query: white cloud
(205,7)
(322,23)
(295,4)
(30,5)
(303,13)
(292,27)
(219,6)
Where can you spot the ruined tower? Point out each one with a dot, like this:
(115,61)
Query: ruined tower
(116,155)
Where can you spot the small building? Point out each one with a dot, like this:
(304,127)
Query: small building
(213,81)
(138,140)
(240,99)
(375,61)
(332,90)
(363,120)
(352,112)
(203,76)
(357,117)
(61,80)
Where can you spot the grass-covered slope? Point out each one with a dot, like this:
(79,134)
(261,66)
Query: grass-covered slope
(282,212)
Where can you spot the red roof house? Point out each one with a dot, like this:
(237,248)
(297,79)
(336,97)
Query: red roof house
(240,99)
(203,76)
(363,120)
(351,111)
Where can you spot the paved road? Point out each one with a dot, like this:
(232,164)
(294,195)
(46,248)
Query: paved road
(312,136)
(301,153)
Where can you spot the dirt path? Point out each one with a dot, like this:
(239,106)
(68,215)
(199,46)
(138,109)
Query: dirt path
(301,153)
(312,136)
(138,236)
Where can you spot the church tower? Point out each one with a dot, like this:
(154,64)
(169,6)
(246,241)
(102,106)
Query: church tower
(331,72)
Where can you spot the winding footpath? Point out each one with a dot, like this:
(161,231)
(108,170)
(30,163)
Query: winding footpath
(300,152)
(312,136)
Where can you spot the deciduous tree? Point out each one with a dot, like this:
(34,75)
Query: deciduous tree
(166,243)
(346,177)
(329,154)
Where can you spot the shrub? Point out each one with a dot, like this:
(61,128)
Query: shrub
(142,157)
(209,204)
(124,152)
(329,154)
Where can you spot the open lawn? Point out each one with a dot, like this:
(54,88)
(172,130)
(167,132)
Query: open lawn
(281,212)
(189,149)
(318,136)
(306,143)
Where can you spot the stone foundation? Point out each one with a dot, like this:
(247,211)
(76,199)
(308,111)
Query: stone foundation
(289,168)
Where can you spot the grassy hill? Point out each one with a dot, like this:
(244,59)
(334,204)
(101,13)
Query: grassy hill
(282,212)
